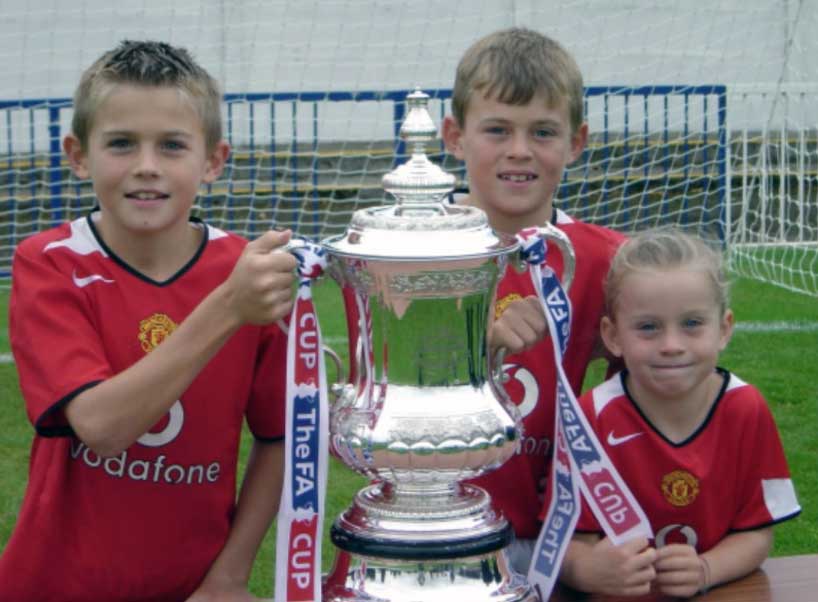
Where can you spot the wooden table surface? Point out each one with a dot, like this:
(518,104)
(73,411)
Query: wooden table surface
(781,579)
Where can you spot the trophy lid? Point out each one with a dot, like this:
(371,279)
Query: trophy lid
(421,224)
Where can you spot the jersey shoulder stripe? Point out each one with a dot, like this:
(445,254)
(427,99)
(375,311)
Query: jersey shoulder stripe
(606,392)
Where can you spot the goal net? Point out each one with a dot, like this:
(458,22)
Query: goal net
(701,114)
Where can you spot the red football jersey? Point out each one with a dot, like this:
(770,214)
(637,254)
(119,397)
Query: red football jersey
(147,524)
(518,487)
(729,475)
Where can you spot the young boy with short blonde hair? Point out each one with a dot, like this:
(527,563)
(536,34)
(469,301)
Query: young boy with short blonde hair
(143,338)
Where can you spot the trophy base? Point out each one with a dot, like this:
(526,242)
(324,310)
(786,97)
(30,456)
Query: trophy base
(483,578)
(421,550)
(392,522)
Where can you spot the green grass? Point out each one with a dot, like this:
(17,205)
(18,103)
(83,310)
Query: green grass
(780,363)
(793,267)
(783,366)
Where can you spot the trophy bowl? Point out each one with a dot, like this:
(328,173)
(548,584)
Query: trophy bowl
(423,415)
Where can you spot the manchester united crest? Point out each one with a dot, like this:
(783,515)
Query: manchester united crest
(501,305)
(154,330)
(680,487)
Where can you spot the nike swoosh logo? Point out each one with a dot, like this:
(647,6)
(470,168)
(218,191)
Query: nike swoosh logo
(82,282)
(613,440)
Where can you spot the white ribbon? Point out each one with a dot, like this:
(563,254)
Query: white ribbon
(580,462)
(301,512)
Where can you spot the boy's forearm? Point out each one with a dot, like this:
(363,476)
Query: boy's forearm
(112,415)
(737,555)
(257,507)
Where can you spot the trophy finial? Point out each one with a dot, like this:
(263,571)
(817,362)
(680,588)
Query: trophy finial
(418,129)
(418,181)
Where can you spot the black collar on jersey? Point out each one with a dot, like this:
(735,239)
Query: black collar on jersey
(725,381)
(194,220)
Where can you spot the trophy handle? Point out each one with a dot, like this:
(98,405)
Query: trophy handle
(497,374)
(293,243)
(569,257)
(337,388)
(497,378)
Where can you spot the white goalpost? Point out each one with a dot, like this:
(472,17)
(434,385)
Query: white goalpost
(701,114)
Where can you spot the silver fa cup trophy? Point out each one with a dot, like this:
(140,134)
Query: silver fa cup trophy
(426,410)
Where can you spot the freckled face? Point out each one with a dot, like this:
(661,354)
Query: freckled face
(515,156)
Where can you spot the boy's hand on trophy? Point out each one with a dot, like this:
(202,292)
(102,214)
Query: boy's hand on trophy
(260,288)
(521,325)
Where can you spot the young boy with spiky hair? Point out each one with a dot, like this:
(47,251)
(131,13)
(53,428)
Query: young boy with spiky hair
(516,123)
(143,338)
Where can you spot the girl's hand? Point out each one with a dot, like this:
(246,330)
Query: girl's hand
(679,571)
(625,570)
